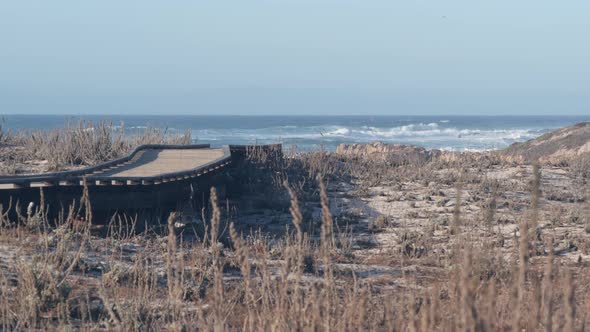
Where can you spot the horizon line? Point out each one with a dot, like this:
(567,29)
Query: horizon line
(298,115)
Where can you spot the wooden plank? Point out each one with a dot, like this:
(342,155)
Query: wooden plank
(12,186)
(42,184)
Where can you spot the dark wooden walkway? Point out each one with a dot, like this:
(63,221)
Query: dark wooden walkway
(146,165)
(154,179)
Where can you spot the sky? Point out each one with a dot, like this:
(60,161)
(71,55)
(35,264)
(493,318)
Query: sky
(297,57)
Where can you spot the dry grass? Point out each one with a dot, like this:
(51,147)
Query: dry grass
(455,270)
(78,144)
(580,166)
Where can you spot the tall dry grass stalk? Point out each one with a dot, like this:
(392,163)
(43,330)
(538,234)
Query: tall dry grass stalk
(328,240)
(520,284)
(171,256)
(456,226)
(548,280)
(524,248)
(218,299)
(328,245)
(245,269)
(297,219)
(569,301)
(472,319)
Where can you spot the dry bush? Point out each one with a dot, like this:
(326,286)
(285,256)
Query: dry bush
(580,166)
(4,135)
(81,143)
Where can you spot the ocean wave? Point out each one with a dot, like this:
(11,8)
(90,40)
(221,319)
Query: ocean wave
(429,135)
(431,131)
(343,131)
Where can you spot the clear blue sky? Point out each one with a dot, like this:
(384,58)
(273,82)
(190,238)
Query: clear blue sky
(295,57)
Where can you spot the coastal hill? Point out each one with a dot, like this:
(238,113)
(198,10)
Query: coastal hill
(554,147)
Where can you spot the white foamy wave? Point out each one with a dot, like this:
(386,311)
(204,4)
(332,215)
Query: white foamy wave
(433,132)
(429,135)
(339,132)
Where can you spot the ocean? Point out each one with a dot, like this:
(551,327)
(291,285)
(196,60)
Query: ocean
(458,133)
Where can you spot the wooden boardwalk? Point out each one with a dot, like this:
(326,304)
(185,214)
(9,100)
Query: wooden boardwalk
(155,162)
(146,165)
(153,178)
